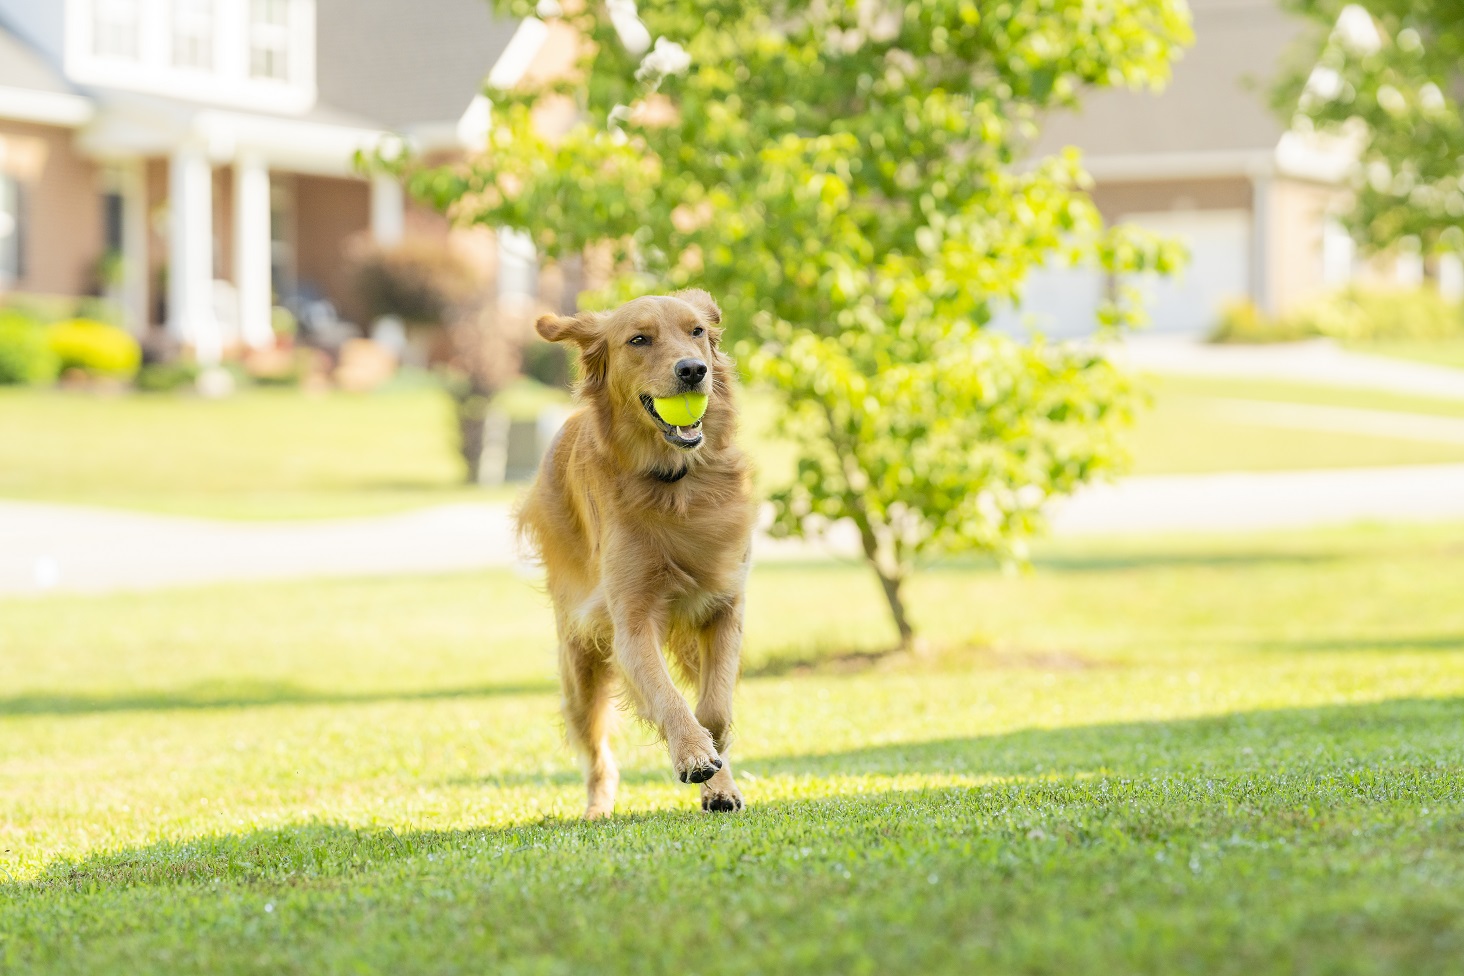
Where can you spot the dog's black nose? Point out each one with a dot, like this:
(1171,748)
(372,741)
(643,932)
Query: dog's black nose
(691,371)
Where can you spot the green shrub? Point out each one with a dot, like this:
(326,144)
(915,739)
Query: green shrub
(94,347)
(166,377)
(548,363)
(41,308)
(420,281)
(1243,322)
(25,356)
(283,322)
(1354,315)
(1371,316)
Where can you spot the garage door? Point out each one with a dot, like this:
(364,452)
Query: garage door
(1062,302)
(1218,271)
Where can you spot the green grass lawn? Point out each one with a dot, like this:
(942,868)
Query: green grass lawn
(262,454)
(285,454)
(1187,431)
(1237,755)
(1440,352)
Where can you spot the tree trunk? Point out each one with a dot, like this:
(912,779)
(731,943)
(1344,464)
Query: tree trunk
(897,608)
(890,581)
(470,408)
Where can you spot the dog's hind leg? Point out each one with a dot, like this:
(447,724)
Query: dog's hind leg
(586,676)
(721,646)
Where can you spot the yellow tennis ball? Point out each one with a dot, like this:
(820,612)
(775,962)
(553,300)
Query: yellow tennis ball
(683,410)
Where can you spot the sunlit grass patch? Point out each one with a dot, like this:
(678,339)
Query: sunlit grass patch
(1256,768)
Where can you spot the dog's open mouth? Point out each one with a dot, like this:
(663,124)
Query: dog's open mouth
(687,436)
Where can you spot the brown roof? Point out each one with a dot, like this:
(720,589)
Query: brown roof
(1218,99)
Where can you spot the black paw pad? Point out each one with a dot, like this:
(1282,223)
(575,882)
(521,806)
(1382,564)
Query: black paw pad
(718,803)
(702,773)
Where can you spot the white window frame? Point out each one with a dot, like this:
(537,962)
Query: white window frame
(194,31)
(227,83)
(271,39)
(96,10)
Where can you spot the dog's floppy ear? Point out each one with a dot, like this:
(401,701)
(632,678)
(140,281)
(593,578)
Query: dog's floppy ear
(581,329)
(702,302)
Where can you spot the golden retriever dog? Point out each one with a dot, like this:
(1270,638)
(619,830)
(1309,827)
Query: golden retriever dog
(644,529)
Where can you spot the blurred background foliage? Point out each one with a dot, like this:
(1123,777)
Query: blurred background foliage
(853,184)
(1388,81)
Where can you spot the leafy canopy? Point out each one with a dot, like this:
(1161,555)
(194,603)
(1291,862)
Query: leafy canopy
(1390,80)
(851,180)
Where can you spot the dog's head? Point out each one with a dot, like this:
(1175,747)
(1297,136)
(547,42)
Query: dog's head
(647,349)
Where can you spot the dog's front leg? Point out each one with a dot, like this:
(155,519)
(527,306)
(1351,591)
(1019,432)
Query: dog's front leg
(717,678)
(640,628)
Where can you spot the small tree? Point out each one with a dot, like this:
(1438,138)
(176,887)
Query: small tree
(1387,76)
(443,300)
(848,179)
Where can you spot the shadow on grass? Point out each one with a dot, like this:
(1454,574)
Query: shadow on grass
(1107,562)
(954,655)
(1236,742)
(1094,562)
(236,695)
(1044,771)
(1339,845)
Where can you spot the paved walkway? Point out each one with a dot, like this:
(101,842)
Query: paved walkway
(1395,425)
(53,547)
(1317,361)
(91,549)
(1265,500)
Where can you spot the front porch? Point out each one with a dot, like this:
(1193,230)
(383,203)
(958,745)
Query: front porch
(226,216)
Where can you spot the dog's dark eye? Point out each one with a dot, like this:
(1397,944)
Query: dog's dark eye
(639,340)
(698,331)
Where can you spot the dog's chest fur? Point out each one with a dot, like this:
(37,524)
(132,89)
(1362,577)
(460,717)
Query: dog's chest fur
(692,548)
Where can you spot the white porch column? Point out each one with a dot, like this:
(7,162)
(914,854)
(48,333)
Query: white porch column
(1262,292)
(388,211)
(190,255)
(132,184)
(252,250)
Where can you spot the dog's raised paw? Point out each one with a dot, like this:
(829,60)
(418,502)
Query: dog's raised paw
(702,772)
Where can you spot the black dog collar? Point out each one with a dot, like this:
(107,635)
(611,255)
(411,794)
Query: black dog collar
(670,478)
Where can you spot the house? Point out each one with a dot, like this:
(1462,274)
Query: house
(1208,162)
(208,145)
(205,148)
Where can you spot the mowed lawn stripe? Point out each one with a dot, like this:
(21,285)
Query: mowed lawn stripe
(1348,860)
(1236,754)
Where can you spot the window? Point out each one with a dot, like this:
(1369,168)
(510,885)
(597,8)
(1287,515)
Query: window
(282,238)
(193,34)
(11,251)
(269,39)
(113,210)
(116,28)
